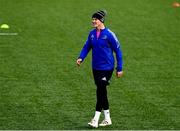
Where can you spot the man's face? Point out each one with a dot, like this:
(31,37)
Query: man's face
(96,22)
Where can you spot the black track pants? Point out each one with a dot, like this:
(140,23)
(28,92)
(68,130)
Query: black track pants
(101,78)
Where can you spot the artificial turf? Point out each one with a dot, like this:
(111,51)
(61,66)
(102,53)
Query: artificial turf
(42,88)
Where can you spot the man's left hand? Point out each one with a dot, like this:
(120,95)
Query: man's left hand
(119,74)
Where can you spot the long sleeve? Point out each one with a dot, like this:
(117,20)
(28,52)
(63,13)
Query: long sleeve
(115,44)
(85,50)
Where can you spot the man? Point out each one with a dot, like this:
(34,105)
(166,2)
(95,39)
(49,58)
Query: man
(103,43)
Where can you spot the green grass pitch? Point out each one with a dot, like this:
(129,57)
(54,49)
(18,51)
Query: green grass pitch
(42,88)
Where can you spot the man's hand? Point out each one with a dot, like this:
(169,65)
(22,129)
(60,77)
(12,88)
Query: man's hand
(119,74)
(78,62)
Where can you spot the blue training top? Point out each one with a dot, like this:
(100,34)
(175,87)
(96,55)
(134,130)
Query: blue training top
(102,50)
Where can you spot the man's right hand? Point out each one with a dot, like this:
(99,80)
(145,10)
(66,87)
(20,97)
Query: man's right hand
(79,61)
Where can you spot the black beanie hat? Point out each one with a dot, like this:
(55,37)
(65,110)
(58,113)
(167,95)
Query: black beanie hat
(100,15)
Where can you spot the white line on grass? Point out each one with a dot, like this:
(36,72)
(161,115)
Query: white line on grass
(8,34)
